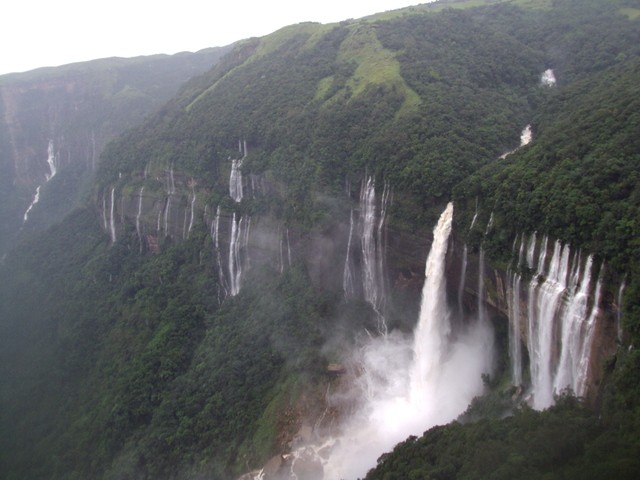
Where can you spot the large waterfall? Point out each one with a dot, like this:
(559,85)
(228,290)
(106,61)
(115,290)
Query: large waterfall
(559,320)
(411,383)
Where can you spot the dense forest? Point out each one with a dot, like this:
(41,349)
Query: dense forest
(126,353)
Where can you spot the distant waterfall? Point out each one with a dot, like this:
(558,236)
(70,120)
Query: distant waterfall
(215,235)
(36,199)
(238,257)
(51,161)
(560,322)
(112,223)
(463,276)
(138,215)
(548,78)
(193,203)
(515,345)
(619,314)
(171,191)
(348,286)
(526,136)
(53,169)
(235,179)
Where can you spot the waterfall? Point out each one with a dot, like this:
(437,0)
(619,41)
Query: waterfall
(51,161)
(235,179)
(347,275)
(409,384)
(515,346)
(372,247)
(560,324)
(619,313)
(138,215)
(463,275)
(489,225)
(526,136)
(548,78)
(215,235)
(171,190)
(36,199)
(288,249)
(112,224)
(475,216)
(193,202)
(238,257)
(432,333)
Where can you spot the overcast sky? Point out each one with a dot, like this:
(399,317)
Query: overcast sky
(39,33)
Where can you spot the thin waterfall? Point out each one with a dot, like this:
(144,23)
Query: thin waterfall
(138,215)
(51,161)
(347,274)
(36,199)
(463,275)
(372,247)
(288,249)
(587,342)
(52,164)
(193,203)
(215,235)
(475,216)
(619,313)
(515,345)
(238,256)
(171,190)
(235,178)
(112,223)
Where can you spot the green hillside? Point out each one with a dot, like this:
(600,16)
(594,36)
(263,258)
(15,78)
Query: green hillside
(122,359)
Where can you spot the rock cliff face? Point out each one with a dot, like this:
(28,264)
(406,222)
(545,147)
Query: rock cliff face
(554,306)
(63,117)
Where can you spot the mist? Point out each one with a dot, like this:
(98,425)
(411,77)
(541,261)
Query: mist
(409,383)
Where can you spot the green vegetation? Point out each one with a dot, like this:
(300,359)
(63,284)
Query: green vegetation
(116,364)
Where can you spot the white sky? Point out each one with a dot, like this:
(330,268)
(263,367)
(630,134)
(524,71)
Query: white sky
(39,33)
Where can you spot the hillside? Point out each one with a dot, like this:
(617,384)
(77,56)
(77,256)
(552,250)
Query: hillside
(240,289)
(55,122)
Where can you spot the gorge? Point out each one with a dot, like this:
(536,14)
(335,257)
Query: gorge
(314,259)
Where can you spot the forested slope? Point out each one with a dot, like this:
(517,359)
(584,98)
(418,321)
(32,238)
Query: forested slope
(121,354)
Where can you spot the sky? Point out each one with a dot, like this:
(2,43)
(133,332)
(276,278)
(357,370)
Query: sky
(40,33)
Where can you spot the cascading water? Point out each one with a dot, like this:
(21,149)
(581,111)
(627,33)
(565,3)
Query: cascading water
(560,324)
(235,179)
(171,191)
(238,257)
(53,169)
(463,276)
(372,247)
(515,346)
(215,235)
(409,385)
(36,199)
(526,136)
(347,275)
